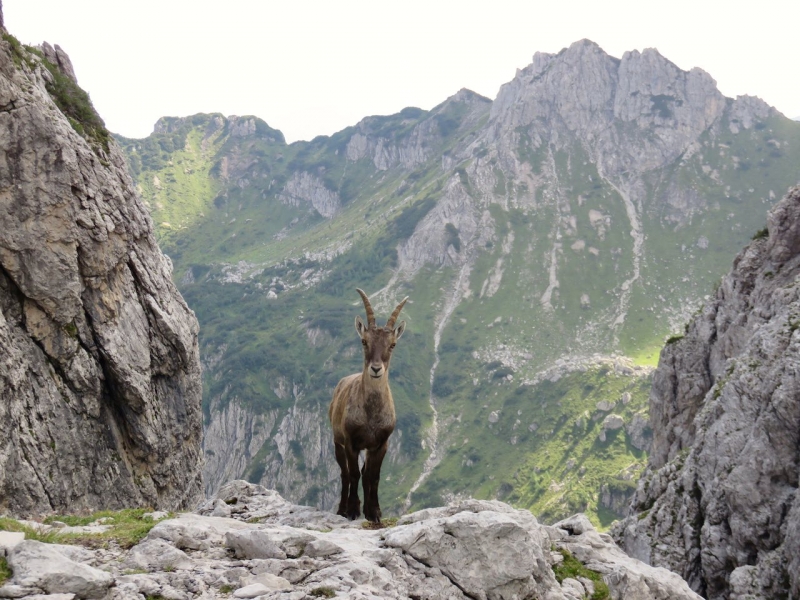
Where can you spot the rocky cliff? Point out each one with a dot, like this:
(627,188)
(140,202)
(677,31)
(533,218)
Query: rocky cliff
(99,368)
(253,543)
(718,502)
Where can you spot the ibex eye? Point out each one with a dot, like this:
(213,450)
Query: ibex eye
(363,342)
(392,346)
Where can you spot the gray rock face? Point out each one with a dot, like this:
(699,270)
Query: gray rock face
(584,90)
(471,549)
(99,369)
(305,188)
(486,554)
(718,502)
(44,566)
(58,57)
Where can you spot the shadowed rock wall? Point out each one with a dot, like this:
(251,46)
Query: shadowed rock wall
(100,390)
(718,503)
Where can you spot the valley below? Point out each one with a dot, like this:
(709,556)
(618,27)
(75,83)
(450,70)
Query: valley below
(550,241)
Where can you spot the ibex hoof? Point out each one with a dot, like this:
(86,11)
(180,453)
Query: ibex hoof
(374,516)
(353,512)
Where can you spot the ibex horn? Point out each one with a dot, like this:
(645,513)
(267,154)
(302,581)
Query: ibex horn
(368,308)
(395,314)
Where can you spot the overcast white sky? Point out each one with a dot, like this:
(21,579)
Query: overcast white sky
(314,67)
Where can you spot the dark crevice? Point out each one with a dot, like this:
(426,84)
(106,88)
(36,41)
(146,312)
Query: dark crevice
(118,435)
(166,338)
(115,423)
(16,297)
(697,565)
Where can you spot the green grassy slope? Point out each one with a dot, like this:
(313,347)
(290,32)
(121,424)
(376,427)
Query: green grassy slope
(273,284)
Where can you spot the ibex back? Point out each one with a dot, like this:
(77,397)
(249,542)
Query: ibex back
(362,414)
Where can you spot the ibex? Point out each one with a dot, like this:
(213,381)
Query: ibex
(362,414)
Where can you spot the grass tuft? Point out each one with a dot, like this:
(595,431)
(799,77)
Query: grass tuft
(384,524)
(323,592)
(5,571)
(572,567)
(128,528)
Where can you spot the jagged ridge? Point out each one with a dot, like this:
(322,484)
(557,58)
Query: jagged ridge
(718,503)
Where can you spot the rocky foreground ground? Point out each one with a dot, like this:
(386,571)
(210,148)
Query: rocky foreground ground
(249,542)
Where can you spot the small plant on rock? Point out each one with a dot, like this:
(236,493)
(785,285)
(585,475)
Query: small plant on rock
(5,571)
(572,567)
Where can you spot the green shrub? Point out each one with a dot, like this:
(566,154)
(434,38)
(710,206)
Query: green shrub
(405,223)
(18,54)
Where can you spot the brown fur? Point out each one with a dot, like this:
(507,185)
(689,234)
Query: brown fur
(362,416)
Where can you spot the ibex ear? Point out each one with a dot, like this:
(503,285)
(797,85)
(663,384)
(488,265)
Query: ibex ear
(360,327)
(398,331)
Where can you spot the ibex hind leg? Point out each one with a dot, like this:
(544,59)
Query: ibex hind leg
(353,503)
(372,476)
(341,458)
(365,484)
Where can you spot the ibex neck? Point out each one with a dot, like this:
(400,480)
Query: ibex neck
(374,384)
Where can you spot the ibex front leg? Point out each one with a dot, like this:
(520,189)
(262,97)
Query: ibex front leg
(372,476)
(353,503)
(341,459)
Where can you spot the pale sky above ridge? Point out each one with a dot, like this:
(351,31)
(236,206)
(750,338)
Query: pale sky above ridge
(312,68)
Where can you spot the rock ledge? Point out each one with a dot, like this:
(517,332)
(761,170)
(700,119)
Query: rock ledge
(249,542)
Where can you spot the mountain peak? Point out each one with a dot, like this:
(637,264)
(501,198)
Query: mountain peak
(467,95)
(584,45)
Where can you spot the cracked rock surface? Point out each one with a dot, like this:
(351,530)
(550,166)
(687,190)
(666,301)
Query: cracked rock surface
(718,502)
(270,548)
(99,369)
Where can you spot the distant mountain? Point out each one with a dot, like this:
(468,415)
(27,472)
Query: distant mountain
(549,240)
